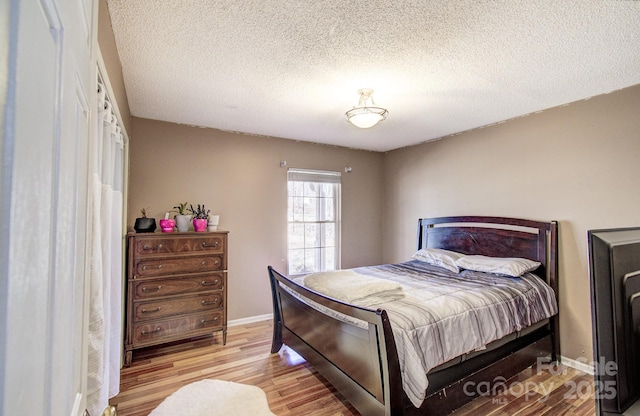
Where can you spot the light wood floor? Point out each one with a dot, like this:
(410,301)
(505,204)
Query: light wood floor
(294,388)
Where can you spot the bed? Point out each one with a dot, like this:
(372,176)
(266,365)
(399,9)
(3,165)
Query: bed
(353,345)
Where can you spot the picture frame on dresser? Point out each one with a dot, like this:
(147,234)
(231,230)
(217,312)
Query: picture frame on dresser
(176,288)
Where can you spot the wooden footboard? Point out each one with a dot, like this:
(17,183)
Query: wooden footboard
(361,361)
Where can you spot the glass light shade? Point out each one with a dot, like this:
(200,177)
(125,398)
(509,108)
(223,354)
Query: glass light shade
(365,117)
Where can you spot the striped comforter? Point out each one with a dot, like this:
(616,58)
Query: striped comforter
(444,315)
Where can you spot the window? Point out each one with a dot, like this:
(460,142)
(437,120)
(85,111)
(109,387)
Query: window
(313,221)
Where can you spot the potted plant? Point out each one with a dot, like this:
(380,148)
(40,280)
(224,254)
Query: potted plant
(182,217)
(144,224)
(200,217)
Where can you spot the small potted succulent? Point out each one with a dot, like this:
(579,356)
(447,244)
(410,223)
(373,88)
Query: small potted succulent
(182,217)
(200,217)
(144,224)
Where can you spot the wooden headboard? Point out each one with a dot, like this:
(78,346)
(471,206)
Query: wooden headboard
(496,237)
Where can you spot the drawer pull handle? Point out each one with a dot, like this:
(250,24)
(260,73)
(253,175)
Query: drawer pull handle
(151,289)
(155,331)
(151,311)
(204,321)
(159,266)
(205,283)
(215,244)
(147,247)
(216,262)
(204,263)
(212,302)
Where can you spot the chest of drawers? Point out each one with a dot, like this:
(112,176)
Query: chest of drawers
(176,287)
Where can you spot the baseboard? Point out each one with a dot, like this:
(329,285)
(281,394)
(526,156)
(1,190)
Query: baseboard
(578,365)
(249,320)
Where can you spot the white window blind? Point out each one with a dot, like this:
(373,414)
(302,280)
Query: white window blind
(313,221)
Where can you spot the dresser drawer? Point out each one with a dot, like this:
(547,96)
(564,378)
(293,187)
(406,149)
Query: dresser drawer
(163,308)
(177,265)
(180,327)
(176,245)
(169,286)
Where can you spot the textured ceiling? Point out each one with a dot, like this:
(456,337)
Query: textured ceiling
(291,68)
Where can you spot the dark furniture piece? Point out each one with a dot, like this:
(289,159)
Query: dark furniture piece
(176,287)
(614,260)
(363,363)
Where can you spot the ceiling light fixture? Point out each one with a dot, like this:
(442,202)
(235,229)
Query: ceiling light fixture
(365,116)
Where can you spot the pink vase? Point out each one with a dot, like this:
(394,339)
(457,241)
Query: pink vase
(200,224)
(167,225)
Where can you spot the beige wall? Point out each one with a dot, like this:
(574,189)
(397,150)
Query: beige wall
(578,164)
(240,178)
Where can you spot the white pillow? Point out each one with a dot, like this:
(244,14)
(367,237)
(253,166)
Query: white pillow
(439,257)
(509,266)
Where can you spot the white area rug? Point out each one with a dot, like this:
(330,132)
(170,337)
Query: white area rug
(215,398)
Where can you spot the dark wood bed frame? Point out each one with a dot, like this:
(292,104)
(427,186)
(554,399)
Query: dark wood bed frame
(362,364)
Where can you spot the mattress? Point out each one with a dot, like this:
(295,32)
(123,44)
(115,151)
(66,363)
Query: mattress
(444,316)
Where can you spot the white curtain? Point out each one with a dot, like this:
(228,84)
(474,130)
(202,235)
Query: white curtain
(105,244)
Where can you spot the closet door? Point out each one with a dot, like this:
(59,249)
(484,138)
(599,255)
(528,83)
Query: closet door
(47,90)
